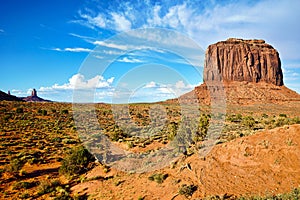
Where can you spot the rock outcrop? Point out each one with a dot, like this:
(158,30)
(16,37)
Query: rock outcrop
(34,93)
(242,72)
(243,60)
(34,97)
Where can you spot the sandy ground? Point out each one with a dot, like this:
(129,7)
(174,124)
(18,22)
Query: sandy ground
(262,164)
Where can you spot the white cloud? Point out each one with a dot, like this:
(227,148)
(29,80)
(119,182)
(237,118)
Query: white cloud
(130,60)
(111,45)
(121,23)
(78,81)
(92,22)
(87,38)
(77,49)
(178,88)
(151,84)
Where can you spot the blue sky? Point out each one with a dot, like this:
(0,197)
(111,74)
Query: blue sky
(55,46)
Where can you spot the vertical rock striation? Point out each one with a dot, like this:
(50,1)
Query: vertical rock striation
(242,60)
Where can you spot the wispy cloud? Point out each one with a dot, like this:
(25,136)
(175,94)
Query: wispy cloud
(121,23)
(111,45)
(130,60)
(208,21)
(87,38)
(77,49)
(1,31)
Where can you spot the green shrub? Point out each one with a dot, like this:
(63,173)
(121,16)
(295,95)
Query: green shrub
(25,195)
(76,162)
(42,112)
(23,185)
(65,111)
(117,134)
(158,178)
(16,165)
(202,128)
(19,110)
(282,115)
(47,186)
(187,190)
(248,121)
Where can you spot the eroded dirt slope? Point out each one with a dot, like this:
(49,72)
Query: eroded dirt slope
(262,164)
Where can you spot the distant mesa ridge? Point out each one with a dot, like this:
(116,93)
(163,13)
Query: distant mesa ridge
(8,97)
(243,60)
(32,98)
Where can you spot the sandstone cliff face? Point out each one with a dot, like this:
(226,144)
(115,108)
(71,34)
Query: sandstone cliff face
(242,60)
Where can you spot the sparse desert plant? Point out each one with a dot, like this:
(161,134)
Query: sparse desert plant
(117,134)
(24,195)
(248,121)
(19,110)
(203,124)
(130,144)
(23,185)
(187,190)
(282,115)
(158,178)
(42,112)
(171,130)
(47,186)
(15,166)
(65,111)
(62,194)
(76,162)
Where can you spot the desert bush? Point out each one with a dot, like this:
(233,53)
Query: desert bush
(25,195)
(117,134)
(281,121)
(47,186)
(294,194)
(19,110)
(158,178)
(187,190)
(296,120)
(65,111)
(172,130)
(130,144)
(76,162)
(203,126)
(248,121)
(42,112)
(23,185)
(282,115)
(15,166)
(234,118)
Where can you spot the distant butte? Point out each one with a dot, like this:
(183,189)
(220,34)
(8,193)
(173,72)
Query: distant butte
(243,72)
(34,97)
(243,60)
